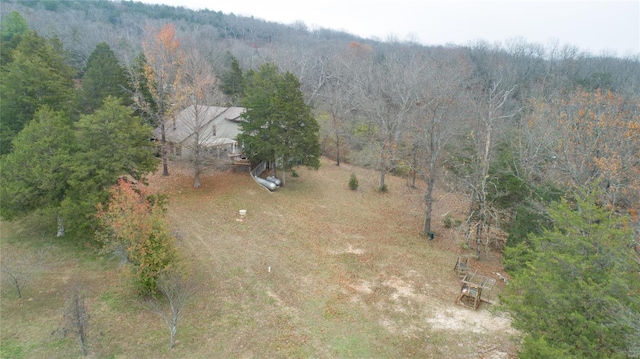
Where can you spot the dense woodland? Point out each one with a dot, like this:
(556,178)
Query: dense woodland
(543,139)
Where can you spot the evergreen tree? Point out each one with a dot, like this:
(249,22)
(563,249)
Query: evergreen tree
(112,143)
(103,77)
(259,130)
(58,170)
(14,26)
(232,80)
(577,295)
(140,84)
(300,129)
(37,76)
(278,124)
(34,176)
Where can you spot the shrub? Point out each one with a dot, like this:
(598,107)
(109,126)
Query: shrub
(137,229)
(353,182)
(450,222)
(447,221)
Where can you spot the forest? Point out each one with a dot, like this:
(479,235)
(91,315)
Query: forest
(542,139)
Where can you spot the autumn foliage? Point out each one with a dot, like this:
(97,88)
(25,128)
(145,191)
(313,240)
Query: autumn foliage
(164,59)
(134,226)
(158,90)
(602,139)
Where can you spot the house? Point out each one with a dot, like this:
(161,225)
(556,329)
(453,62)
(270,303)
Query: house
(215,128)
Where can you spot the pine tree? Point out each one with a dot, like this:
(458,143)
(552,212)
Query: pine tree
(14,26)
(103,77)
(140,85)
(34,176)
(112,143)
(278,123)
(232,80)
(259,130)
(37,76)
(577,296)
(300,144)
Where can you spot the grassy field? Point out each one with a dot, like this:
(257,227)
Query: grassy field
(313,270)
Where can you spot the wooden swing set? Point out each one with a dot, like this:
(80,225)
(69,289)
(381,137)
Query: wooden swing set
(472,284)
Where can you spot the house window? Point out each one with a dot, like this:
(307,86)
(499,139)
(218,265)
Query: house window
(178,149)
(213,130)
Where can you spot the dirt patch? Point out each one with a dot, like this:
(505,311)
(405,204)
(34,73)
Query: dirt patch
(478,321)
(349,249)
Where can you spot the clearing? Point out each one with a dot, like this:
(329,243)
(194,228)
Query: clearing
(312,270)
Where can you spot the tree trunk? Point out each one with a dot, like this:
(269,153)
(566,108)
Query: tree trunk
(413,169)
(284,177)
(61,231)
(429,206)
(196,183)
(173,329)
(16,282)
(479,238)
(382,173)
(337,150)
(470,215)
(488,237)
(163,151)
(83,345)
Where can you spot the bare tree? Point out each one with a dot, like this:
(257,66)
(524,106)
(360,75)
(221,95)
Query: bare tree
(312,65)
(491,112)
(177,290)
(77,317)
(20,268)
(338,116)
(319,77)
(440,118)
(338,101)
(201,92)
(388,88)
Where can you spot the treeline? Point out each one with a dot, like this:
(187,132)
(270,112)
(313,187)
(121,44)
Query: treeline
(64,145)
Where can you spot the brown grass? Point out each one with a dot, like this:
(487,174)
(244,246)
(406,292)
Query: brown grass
(313,270)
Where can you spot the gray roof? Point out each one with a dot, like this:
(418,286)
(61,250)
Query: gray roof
(234,113)
(225,119)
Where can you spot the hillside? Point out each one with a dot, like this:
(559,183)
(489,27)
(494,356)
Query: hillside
(314,269)
(81,25)
(530,150)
